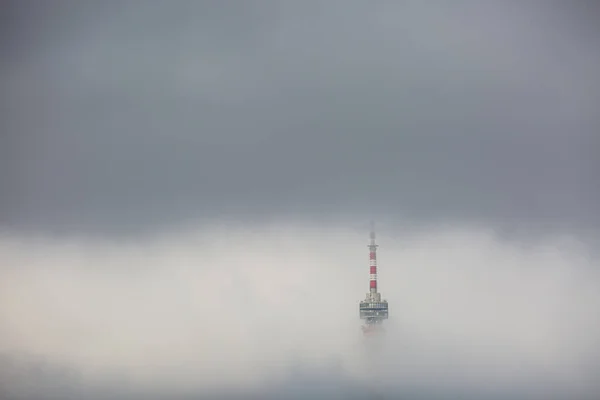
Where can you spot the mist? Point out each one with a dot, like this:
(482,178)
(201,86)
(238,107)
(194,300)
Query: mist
(272,311)
(185,190)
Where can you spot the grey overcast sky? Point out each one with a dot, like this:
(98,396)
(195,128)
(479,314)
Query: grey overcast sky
(134,116)
(227,128)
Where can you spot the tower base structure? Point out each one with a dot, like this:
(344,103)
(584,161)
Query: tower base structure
(373,311)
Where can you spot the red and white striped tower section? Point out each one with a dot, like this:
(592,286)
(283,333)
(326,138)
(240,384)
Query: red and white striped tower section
(373,266)
(373,310)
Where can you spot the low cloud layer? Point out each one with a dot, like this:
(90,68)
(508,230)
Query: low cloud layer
(132,132)
(271,312)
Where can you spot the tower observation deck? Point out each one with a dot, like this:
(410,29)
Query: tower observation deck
(372,309)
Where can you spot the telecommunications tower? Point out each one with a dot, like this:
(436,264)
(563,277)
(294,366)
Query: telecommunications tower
(372,309)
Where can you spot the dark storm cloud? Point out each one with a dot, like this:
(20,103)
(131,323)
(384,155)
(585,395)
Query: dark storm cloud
(123,116)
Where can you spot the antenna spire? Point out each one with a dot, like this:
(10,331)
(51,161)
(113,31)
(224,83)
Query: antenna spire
(372,234)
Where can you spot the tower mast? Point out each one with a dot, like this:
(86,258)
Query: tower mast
(373,264)
(373,310)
